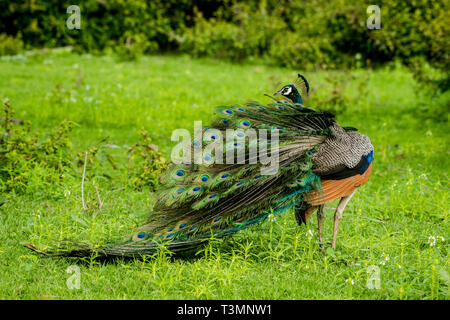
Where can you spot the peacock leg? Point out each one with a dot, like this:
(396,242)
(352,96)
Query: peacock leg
(320,217)
(303,212)
(338,215)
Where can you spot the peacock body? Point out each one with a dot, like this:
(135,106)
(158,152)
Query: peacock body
(317,162)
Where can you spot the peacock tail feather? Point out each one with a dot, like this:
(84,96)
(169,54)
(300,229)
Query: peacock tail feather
(200,200)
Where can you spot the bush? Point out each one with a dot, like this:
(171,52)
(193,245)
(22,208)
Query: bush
(132,47)
(10,45)
(320,34)
(104,24)
(248,34)
(303,35)
(27,155)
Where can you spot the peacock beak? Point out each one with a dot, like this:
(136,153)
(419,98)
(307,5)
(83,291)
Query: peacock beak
(278,92)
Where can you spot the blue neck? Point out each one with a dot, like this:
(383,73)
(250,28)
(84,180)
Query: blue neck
(298,100)
(296,96)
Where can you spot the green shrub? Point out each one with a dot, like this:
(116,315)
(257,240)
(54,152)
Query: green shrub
(323,34)
(248,34)
(132,47)
(104,24)
(297,34)
(29,156)
(10,45)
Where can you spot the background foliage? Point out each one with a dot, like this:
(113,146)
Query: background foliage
(297,34)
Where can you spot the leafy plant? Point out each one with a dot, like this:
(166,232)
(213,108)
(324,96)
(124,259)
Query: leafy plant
(26,155)
(148,163)
(10,45)
(297,34)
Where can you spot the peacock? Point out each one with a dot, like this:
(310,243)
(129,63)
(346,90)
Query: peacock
(317,161)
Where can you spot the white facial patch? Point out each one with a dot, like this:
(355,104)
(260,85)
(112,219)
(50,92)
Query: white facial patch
(287,91)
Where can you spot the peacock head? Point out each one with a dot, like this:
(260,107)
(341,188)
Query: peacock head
(291,91)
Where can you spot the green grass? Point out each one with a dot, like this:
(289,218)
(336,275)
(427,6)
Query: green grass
(403,204)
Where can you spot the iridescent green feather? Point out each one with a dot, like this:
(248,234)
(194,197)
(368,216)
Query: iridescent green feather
(198,200)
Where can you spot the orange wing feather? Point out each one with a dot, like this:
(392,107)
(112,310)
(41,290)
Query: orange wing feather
(333,189)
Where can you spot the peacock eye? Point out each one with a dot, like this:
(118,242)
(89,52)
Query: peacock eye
(286,91)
